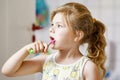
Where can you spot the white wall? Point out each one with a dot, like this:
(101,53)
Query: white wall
(16,18)
(3,31)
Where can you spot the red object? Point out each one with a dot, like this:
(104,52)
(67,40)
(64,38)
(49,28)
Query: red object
(34,27)
(33,38)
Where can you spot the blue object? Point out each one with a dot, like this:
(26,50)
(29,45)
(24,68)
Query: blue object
(42,13)
(107,74)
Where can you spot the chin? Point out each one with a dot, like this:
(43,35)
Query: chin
(55,48)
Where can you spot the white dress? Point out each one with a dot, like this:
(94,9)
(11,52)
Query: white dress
(55,71)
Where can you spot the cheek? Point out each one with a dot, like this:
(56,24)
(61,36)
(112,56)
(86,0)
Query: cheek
(64,38)
(62,35)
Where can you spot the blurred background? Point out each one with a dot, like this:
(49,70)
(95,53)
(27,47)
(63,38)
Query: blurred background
(19,26)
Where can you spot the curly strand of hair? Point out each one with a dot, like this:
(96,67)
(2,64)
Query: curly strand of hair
(97,44)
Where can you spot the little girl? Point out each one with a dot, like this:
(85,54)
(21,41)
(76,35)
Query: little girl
(72,25)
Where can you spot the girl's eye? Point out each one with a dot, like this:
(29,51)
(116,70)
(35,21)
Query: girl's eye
(60,26)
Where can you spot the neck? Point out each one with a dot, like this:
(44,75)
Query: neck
(69,53)
(68,56)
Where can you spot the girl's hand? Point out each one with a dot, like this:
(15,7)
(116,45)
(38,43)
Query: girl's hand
(38,46)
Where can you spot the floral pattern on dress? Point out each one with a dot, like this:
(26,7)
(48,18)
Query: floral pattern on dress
(53,71)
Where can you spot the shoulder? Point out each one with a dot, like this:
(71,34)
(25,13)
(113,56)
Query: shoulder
(91,71)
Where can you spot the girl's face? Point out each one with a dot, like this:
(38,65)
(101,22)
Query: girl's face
(61,33)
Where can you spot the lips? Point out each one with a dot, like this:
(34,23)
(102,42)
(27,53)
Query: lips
(52,40)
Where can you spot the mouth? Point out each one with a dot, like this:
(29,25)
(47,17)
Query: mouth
(52,40)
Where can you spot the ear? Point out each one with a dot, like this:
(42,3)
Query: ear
(79,36)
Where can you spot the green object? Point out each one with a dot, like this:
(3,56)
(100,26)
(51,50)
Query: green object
(31,51)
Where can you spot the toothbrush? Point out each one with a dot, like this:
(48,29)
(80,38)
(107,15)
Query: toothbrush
(51,42)
(31,51)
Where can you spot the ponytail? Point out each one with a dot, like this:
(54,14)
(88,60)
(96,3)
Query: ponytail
(96,45)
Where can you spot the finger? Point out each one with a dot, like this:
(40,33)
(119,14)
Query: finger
(45,47)
(36,47)
(41,46)
(38,43)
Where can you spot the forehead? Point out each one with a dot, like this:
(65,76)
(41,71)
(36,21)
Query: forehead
(58,18)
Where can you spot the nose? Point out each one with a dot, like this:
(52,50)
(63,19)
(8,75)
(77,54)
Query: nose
(51,29)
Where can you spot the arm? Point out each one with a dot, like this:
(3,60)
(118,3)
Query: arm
(91,71)
(16,65)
